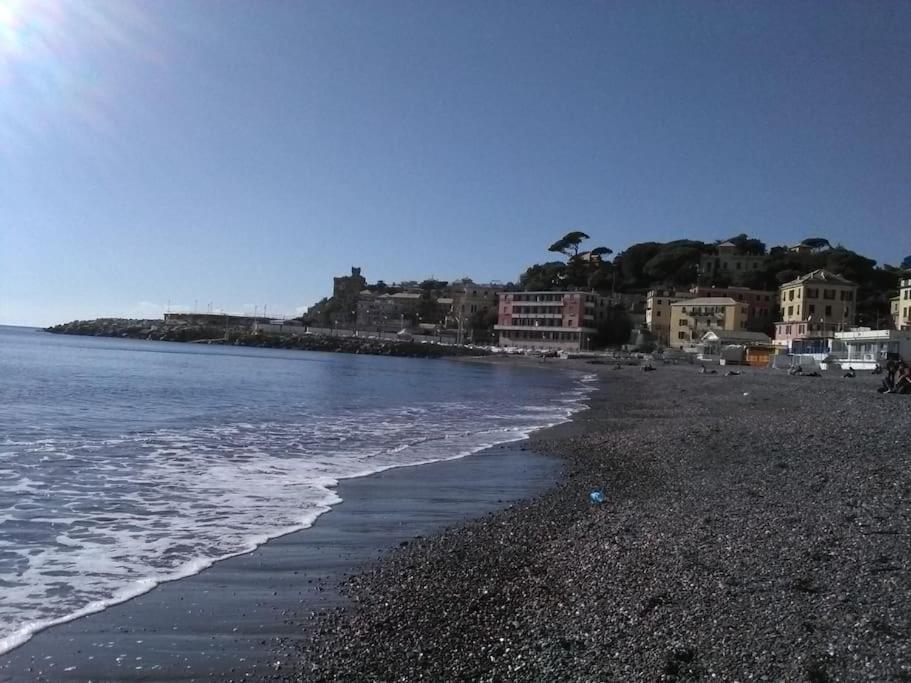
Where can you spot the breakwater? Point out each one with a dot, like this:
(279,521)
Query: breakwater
(158,330)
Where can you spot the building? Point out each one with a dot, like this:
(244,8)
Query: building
(811,309)
(763,303)
(692,318)
(549,320)
(467,298)
(658,312)
(345,293)
(387,312)
(727,264)
(863,348)
(901,309)
(714,341)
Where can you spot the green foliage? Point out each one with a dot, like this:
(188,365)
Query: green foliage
(569,243)
(543,277)
(480,325)
(748,245)
(614,329)
(648,264)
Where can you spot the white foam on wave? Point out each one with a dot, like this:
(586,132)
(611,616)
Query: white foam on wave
(154,507)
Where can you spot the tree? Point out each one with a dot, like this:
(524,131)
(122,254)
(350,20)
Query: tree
(480,324)
(678,264)
(906,263)
(748,245)
(569,243)
(543,277)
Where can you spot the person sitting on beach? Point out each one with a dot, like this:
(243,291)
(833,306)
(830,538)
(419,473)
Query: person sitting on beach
(732,373)
(618,366)
(891,376)
(648,367)
(850,372)
(795,370)
(902,385)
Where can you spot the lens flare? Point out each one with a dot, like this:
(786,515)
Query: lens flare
(60,61)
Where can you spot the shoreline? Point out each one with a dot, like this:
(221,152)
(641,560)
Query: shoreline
(106,620)
(754,525)
(239,608)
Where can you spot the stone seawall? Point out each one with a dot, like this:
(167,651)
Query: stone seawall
(157,330)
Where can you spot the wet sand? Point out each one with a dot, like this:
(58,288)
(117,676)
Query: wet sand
(229,621)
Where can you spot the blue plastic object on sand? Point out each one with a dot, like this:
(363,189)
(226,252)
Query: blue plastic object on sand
(596,496)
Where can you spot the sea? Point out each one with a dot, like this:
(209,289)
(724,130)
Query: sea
(127,463)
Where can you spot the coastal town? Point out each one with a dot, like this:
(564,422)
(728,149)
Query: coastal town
(714,303)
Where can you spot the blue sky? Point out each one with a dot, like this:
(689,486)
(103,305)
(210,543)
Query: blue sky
(243,153)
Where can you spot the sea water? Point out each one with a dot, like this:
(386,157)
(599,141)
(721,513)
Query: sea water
(126,463)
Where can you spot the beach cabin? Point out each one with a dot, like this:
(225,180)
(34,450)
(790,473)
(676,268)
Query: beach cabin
(715,340)
(863,348)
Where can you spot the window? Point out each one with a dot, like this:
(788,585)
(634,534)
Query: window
(683,322)
(790,310)
(828,311)
(811,309)
(657,314)
(681,335)
(790,295)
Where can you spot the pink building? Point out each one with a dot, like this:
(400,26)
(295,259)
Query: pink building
(549,320)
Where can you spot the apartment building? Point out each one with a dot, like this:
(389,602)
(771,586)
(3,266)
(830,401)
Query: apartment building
(691,319)
(466,297)
(387,312)
(549,320)
(812,308)
(727,263)
(658,312)
(763,303)
(901,305)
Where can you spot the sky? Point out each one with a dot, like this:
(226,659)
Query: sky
(233,155)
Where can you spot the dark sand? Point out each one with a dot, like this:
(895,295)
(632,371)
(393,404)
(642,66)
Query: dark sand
(756,527)
(227,621)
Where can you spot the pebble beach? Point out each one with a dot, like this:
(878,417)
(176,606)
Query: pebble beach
(754,527)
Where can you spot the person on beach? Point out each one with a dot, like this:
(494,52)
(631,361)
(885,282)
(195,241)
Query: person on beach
(849,372)
(891,376)
(902,384)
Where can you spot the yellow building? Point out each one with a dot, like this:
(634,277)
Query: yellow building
(814,307)
(658,312)
(692,318)
(901,305)
(727,263)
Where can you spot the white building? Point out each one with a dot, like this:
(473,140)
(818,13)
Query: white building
(862,348)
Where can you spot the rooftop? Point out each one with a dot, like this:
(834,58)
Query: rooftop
(738,336)
(822,276)
(707,301)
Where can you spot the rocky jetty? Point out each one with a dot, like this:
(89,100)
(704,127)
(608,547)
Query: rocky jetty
(158,330)
(753,527)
